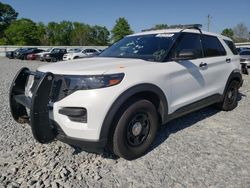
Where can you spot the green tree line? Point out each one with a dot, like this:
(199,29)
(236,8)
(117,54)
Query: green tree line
(24,31)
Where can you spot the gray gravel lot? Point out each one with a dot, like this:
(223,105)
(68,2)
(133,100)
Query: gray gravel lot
(208,148)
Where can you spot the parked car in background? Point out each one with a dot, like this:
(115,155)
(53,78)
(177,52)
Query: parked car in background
(245,57)
(41,56)
(34,55)
(23,55)
(240,49)
(73,50)
(13,54)
(18,51)
(55,55)
(89,52)
(10,54)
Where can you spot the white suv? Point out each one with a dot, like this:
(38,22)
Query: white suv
(118,99)
(81,53)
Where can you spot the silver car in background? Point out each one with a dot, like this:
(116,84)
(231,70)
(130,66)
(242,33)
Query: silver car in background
(245,57)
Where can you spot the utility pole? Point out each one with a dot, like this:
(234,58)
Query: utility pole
(208,22)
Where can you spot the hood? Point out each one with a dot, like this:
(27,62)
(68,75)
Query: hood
(89,66)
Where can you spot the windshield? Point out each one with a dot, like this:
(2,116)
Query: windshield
(153,47)
(245,53)
(76,50)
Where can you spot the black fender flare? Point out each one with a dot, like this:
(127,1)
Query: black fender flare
(107,123)
(235,74)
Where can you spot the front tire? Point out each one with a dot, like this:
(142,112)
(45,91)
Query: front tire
(135,130)
(54,59)
(230,99)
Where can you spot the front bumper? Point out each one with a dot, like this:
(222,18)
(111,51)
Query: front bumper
(44,128)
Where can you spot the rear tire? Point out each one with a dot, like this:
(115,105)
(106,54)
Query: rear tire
(230,99)
(135,130)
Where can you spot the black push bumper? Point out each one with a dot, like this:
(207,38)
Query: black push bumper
(43,128)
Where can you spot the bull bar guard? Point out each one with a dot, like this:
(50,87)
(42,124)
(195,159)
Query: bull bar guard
(38,104)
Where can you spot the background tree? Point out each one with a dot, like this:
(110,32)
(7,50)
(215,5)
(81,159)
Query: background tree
(59,33)
(22,32)
(99,35)
(80,35)
(121,29)
(241,32)
(7,16)
(157,27)
(228,32)
(160,26)
(42,34)
(65,29)
(52,32)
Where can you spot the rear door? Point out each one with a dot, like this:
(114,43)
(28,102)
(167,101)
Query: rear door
(202,77)
(219,64)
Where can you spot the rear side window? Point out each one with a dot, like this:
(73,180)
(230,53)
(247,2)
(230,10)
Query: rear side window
(212,46)
(232,47)
(188,41)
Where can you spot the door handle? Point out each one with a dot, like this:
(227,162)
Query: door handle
(203,64)
(228,60)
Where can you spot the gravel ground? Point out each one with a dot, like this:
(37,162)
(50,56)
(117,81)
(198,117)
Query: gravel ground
(208,148)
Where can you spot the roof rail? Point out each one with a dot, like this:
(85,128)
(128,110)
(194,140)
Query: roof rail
(179,26)
(187,26)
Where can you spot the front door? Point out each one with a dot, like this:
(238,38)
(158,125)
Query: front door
(188,77)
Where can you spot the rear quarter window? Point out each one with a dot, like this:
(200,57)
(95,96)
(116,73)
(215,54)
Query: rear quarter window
(212,46)
(232,47)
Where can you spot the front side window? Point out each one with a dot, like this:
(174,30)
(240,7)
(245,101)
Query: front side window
(151,47)
(188,41)
(212,46)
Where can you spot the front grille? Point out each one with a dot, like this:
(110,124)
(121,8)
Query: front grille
(59,89)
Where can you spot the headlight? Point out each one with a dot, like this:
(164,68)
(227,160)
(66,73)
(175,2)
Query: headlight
(92,82)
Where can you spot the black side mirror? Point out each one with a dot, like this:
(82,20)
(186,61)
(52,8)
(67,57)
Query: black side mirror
(185,54)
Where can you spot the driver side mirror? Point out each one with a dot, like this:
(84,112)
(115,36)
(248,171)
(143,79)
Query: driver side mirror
(185,54)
